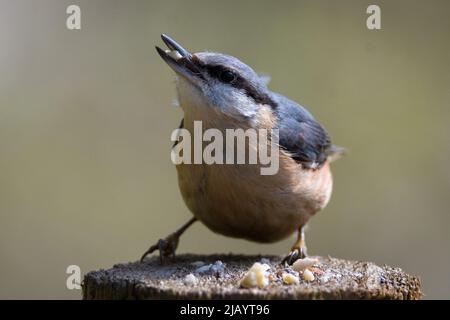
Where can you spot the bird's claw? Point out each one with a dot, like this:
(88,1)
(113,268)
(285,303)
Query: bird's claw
(166,247)
(294,255)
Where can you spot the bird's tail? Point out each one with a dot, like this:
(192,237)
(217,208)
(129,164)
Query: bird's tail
(335,153)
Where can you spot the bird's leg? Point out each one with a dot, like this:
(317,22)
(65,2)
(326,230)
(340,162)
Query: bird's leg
(298,250)
(168,245)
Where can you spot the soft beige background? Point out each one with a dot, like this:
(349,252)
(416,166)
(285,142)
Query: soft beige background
(86,116)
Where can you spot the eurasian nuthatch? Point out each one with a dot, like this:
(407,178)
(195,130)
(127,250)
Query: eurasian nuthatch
(236,200)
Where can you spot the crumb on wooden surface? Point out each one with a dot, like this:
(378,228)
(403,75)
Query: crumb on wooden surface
(219,277)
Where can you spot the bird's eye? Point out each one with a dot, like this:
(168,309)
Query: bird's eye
(227,76)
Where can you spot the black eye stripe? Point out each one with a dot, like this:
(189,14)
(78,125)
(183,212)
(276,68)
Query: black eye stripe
(257,96)
(227,76)
(240,83)
(216,71)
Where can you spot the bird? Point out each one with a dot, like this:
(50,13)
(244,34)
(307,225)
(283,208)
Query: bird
(236,200)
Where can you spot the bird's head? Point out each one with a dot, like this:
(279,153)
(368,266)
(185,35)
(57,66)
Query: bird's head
(216,81)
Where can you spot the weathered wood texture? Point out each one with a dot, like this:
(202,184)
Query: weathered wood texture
(335,279)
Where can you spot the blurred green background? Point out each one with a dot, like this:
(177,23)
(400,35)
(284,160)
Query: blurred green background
(86,117)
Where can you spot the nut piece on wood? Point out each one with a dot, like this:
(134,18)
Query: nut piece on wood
(334,279)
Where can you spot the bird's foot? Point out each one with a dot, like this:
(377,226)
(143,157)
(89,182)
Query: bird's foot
(294,255)
(166,247)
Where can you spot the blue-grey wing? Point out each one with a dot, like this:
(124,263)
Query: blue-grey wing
(300,134)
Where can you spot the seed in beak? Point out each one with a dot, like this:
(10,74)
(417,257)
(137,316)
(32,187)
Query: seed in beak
(174,54)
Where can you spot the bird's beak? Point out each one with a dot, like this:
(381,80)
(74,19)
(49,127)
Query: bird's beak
(180,60)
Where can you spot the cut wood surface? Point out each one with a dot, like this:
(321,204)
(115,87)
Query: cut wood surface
(191,276)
